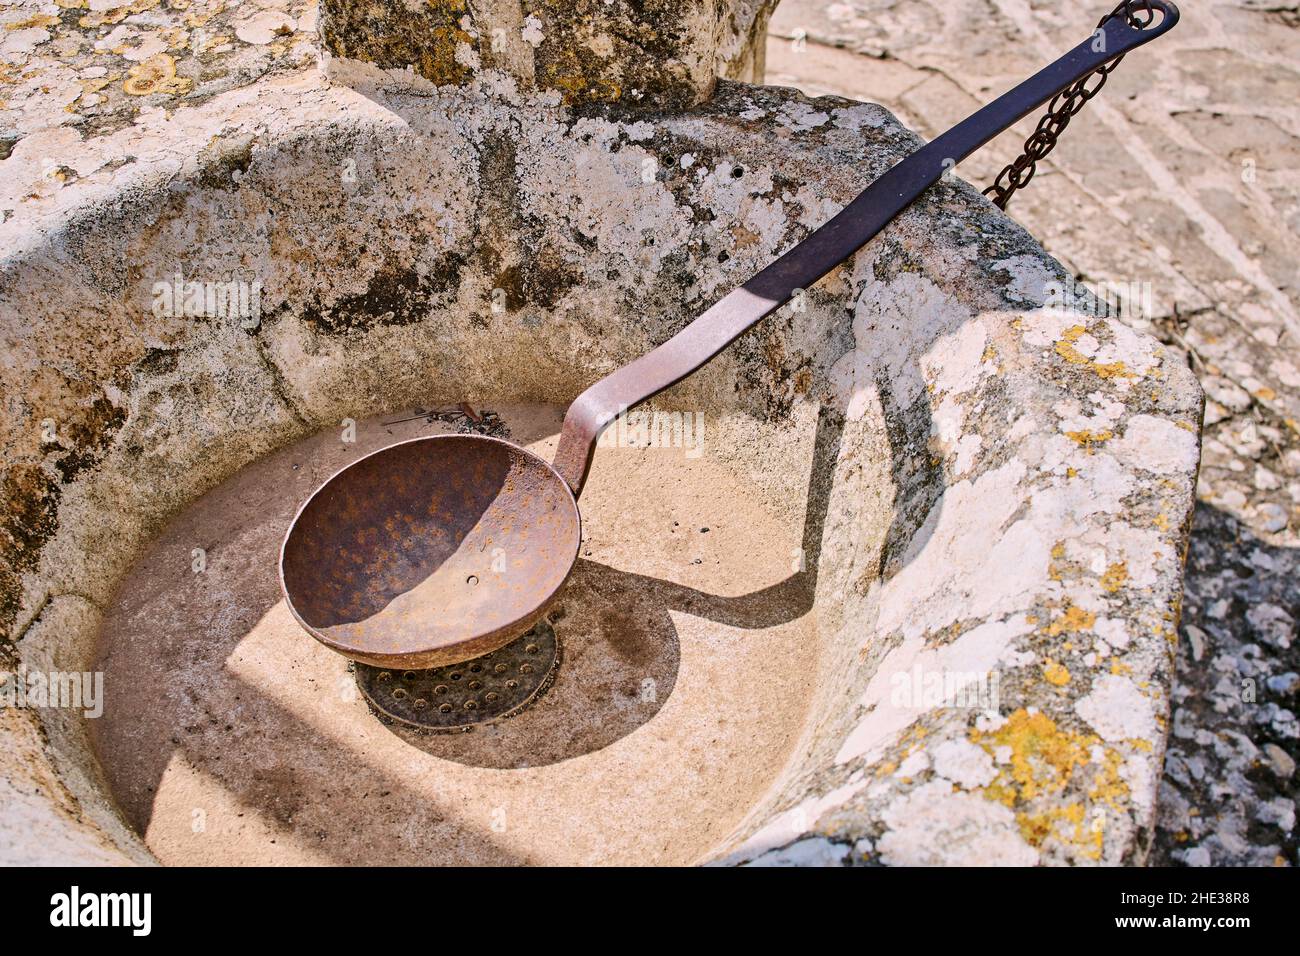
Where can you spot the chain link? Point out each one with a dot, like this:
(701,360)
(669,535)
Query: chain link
(1064,106)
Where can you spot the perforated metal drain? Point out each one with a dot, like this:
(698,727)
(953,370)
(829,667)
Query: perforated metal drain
(462,696)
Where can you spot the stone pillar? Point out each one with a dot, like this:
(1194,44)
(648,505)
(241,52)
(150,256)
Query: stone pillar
(654,53)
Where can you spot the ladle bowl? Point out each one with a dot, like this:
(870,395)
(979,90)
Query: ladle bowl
(391,561)
(431,551)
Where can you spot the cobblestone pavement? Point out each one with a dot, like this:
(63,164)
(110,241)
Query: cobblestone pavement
(1175,195)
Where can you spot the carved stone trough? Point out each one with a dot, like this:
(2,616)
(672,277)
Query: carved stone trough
(895,579)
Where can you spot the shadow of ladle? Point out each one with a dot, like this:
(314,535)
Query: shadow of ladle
(440,549)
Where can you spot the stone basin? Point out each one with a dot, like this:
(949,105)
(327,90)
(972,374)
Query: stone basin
(932,619)
(689,652)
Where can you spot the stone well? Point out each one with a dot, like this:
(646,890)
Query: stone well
(932,619)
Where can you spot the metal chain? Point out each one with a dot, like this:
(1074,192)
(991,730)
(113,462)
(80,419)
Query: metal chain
(1064,105)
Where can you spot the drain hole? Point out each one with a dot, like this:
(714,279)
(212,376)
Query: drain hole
(472,580)
(461,696)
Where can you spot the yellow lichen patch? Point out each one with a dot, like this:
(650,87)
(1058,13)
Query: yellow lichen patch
(1073,620)
(1108,785)
(35,20)
(1119,668)
(196,19)
(1044,761)
(1057,567)
(1116,577)
(576,88)
(155,75)
(176,38)
(1111,370)
(1067,824)
(1066,349)
(1043,757)
(212,42)
(1086,438)
(70,4)
(1056,673)
(1265,394)
(104,17)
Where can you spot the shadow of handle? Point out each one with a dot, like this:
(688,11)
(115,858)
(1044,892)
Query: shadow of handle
(832,243)
(771,606)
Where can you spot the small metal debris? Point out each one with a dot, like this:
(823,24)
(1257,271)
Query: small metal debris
(462,417)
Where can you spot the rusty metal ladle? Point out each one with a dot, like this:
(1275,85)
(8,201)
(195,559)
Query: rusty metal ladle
(445,548)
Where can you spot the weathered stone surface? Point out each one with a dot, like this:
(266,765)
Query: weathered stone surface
(82,71)
(86,71)
(1176,189)
(662,54)
(1004,486)
(742,49)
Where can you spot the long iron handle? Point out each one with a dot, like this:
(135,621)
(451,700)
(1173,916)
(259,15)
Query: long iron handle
(820,252)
